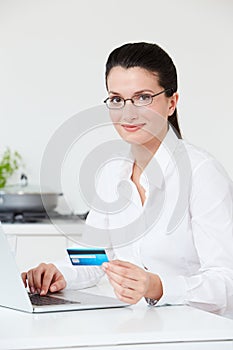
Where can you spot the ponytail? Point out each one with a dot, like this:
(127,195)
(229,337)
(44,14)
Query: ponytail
(173,120)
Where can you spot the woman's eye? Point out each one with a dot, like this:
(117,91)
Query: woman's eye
(115,100)
(143,97)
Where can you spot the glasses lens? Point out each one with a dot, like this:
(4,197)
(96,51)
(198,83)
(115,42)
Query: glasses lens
(115,102)
(142,100)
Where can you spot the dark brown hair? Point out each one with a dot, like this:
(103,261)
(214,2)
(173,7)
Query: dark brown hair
(152,58)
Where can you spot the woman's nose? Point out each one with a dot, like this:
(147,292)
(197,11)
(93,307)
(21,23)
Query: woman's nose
(129,112)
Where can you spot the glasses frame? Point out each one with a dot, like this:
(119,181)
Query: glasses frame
(132,99)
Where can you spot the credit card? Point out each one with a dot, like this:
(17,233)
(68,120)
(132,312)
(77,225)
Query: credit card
(87,256)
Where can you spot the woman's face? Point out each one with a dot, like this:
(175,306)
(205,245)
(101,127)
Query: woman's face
(139,125)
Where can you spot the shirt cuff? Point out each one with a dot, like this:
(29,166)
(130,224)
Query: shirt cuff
(174,290)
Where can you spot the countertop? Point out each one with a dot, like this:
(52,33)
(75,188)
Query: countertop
(133,327)
(47,228)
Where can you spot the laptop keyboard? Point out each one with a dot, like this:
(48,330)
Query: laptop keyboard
(38,300)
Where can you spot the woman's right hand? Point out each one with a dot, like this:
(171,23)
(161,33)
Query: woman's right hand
(44,278)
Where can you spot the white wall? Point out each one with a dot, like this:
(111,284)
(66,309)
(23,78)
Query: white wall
(52,55)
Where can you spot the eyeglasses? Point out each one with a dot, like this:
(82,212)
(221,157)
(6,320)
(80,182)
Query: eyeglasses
(117,102)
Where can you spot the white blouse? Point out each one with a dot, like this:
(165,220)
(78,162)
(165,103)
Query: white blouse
(183,232)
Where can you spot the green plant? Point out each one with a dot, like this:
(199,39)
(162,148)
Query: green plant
(9,163)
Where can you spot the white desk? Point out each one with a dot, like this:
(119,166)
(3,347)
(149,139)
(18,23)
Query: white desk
(135,327)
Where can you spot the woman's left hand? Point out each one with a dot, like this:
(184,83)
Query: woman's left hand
(130,282)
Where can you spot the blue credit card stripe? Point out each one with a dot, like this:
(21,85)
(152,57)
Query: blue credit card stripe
(86,251)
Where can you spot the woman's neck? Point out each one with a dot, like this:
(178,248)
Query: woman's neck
(144,153)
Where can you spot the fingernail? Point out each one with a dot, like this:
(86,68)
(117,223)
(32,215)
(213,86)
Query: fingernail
(32,290)
(42,292)
(105,266)
(53,289)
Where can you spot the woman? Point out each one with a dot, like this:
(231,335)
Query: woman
(186,260)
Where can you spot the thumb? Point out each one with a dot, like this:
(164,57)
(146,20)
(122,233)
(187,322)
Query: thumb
(58,285)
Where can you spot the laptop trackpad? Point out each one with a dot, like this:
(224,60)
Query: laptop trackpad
(86,298)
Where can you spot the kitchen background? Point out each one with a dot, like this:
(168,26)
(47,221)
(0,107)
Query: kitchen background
(53,53)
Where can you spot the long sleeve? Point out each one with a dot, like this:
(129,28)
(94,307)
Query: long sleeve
(211,203)
(79,277)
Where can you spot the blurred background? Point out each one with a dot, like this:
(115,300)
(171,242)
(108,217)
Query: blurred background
(53,55)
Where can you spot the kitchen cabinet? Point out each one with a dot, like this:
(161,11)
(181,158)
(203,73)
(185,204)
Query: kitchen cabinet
(36,243)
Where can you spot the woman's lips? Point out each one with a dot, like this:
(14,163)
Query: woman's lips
(132,127)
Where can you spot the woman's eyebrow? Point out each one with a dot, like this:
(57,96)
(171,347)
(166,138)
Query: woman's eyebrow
(114,93)
(135,93)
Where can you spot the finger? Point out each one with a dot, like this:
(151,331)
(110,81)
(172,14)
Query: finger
(24,278)
(47,280)
(38,277)
(122,263)
(129,272)
(124,299)
(123,292)
(59,284)
(122,281)
(31,281)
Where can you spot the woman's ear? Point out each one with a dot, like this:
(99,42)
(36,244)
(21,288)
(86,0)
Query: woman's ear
(172,103)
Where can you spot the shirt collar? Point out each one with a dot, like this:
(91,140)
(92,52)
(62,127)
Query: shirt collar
(154,173)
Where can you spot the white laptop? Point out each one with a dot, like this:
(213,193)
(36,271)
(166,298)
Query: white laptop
(14,295)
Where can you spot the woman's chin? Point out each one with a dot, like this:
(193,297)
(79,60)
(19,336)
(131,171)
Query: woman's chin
(137,140)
